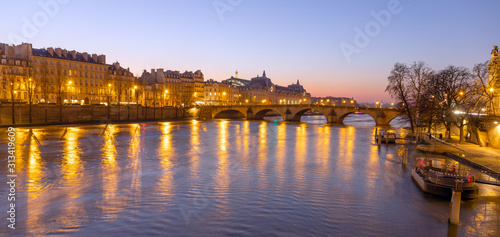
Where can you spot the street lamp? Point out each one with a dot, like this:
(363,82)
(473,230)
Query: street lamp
(136,102)
(376,104)
(165,96)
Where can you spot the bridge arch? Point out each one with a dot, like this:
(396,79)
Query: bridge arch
(259,114)
(395,117)
(298,114)
(229,113)
(343,116)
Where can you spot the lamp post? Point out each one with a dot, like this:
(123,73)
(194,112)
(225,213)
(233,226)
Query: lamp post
(69,91)
(492,105)
(109,102)
(30,97)
(164,102)
(376,104)
(136,102)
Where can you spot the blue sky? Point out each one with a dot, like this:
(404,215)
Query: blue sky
(289,39)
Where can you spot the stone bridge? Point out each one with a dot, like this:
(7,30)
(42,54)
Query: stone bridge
(333,114)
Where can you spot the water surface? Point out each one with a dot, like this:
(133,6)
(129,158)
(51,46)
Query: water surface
(227,177)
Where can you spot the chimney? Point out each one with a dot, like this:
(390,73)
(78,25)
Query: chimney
(85,56)
(94,58)
(65,53)
(51,51)
(58,52)
(101,59)
(160,76)
(73,54)
(152,71)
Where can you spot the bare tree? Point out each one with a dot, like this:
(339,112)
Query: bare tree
(419,74)
(399,90)
(119,95)
(30,85)
(60,79)
(43,73)
(449,87)
(107,80)
(484,86)
(9,76)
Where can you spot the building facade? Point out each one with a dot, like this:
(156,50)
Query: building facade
(261,90)
(60,76)
(221,93)
(494,81)
(172,88)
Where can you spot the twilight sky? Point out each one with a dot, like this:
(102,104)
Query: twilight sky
(337,48)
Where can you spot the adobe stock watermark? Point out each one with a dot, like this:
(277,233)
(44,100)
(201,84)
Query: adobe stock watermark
(40,19)
(223,6)
(363,38)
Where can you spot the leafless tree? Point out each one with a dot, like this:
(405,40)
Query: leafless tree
(9,77)
(60,81)
(449,87)
(399,90)
(419,74)
(30,85)
(108,85)
(44,81)
(484,86)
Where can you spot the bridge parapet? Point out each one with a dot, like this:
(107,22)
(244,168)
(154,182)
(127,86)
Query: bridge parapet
(333,114)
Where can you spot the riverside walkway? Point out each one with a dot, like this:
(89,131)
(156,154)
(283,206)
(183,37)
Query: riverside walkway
(484,158)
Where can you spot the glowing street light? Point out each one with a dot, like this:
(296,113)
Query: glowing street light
(491,89)
(166,91)
(69,83)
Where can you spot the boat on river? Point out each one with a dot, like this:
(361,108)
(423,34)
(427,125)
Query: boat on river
(387,136)
(440,182)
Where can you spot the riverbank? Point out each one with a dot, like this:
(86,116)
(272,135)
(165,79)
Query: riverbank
(485,158)
(42,115)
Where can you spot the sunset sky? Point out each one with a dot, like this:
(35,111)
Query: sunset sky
(305,40)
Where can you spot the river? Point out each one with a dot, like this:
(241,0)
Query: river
(226,177)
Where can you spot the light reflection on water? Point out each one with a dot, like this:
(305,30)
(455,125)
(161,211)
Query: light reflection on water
(228,177)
